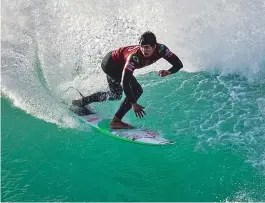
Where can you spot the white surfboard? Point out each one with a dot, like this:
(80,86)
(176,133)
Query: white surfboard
(135,135)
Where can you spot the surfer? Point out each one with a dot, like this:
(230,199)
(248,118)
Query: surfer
(119,66)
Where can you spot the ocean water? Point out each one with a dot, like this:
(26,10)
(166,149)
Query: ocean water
(214,108)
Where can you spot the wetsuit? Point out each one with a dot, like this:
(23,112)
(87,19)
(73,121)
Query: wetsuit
(119,66)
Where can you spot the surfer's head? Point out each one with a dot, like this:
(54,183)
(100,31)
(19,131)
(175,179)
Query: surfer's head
(148,43)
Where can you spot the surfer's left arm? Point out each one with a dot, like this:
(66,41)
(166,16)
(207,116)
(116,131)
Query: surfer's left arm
(172,59)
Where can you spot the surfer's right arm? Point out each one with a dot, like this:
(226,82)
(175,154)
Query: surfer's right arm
(127,76)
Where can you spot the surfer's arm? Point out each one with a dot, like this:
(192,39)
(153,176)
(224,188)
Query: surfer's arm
(171,58)
(127,76)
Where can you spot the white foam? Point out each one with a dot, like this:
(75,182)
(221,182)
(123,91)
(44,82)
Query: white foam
(68,39)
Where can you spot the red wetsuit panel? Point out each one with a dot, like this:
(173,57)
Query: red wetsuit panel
(132,58)
(120,55)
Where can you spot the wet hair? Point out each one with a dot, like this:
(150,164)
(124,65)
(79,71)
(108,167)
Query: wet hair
(147,38)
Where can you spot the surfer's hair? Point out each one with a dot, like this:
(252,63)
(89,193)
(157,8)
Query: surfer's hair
(147,38)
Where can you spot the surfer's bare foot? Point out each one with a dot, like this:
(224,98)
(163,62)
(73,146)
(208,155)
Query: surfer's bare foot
(118,124)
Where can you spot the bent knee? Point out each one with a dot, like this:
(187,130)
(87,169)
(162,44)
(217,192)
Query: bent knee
(115,96)
(118,96)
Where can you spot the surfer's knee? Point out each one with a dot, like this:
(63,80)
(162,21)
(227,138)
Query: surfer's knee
(118,94)
(115,96)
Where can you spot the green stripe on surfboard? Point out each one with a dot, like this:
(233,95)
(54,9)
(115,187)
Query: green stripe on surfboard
(104,128)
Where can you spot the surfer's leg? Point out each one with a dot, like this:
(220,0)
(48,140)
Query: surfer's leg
(113,72)
(126,106)
(115,93)
(96,97)
(115,87)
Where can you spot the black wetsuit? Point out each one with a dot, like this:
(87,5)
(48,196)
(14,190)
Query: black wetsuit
(119,66)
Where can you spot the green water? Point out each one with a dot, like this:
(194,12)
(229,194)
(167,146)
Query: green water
(212,160)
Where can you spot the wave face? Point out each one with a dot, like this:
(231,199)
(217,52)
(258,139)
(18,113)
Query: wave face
(49,46)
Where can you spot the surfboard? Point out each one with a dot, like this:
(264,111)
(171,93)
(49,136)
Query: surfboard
(134,135)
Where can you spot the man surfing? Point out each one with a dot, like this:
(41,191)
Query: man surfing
(119,66)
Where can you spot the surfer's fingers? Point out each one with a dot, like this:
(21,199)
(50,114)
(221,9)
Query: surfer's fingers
(142,113)
(139,115)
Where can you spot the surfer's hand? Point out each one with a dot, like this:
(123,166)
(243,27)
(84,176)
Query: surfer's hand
(163,73)
(138,110)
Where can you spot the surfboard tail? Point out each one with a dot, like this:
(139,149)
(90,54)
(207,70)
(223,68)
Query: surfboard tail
(81,111)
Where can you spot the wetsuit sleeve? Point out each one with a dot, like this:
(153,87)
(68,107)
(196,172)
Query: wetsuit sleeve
(171,58)
(127,76)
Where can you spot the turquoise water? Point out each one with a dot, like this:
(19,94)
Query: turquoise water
(214,108)
(215,158)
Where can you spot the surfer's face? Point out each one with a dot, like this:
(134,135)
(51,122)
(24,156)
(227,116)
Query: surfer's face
(147,50)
